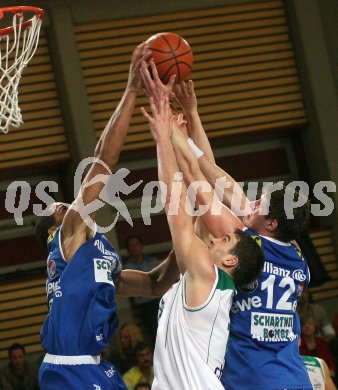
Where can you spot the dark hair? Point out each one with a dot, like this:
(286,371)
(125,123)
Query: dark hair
(287,229)
(15,346)
(41,229)
(142,384)
(132,237)
(139,347)
(250,256)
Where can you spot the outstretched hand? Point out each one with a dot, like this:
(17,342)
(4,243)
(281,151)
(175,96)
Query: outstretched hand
(184,95)
(162,122)
(153,86)
(140,54)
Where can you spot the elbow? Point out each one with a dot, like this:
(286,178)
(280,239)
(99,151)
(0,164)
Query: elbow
(106,155)
(108,159)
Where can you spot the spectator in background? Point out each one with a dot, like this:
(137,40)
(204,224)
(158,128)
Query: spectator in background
(142,386)
(143,369)
(18,374)
(146,307)
(312,345)
(306,308)
(123,355)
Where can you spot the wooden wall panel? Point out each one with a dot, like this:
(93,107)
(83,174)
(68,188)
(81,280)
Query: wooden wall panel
(245,74)
(23,310)
(323,241)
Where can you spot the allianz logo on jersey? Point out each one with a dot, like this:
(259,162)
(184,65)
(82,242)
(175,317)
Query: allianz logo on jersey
(107,254)
(297,274)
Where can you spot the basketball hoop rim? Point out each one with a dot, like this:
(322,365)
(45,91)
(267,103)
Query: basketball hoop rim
(40,13)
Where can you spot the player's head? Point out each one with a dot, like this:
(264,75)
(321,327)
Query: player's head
(239,255)
(16,355)
(269,215)
(46,224)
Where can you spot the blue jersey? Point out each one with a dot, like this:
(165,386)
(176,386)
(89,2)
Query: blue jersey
(263,349)
(55,265)
(83,318)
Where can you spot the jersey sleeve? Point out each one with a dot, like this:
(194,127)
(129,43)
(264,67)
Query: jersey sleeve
(116,267)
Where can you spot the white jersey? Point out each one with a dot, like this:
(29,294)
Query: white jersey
(316,372)
(191,342)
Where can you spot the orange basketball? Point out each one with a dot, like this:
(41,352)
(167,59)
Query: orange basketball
(172,55)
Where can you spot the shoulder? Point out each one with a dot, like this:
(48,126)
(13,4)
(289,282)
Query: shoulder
(257,237)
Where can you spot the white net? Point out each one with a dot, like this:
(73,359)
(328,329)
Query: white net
(16,50)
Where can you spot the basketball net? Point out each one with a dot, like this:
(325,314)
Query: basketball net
(16,50)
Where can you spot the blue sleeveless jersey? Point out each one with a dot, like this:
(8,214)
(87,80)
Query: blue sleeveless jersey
(83,318)
(263,349)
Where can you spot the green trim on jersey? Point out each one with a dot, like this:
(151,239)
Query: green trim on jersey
(257,239)
(313,362)
(299,253)
(224,281)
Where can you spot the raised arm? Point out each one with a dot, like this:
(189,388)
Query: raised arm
(192,254)
(81,215)
(184,94)
(218,219)
(232,195)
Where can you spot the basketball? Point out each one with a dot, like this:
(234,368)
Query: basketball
(172,54)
